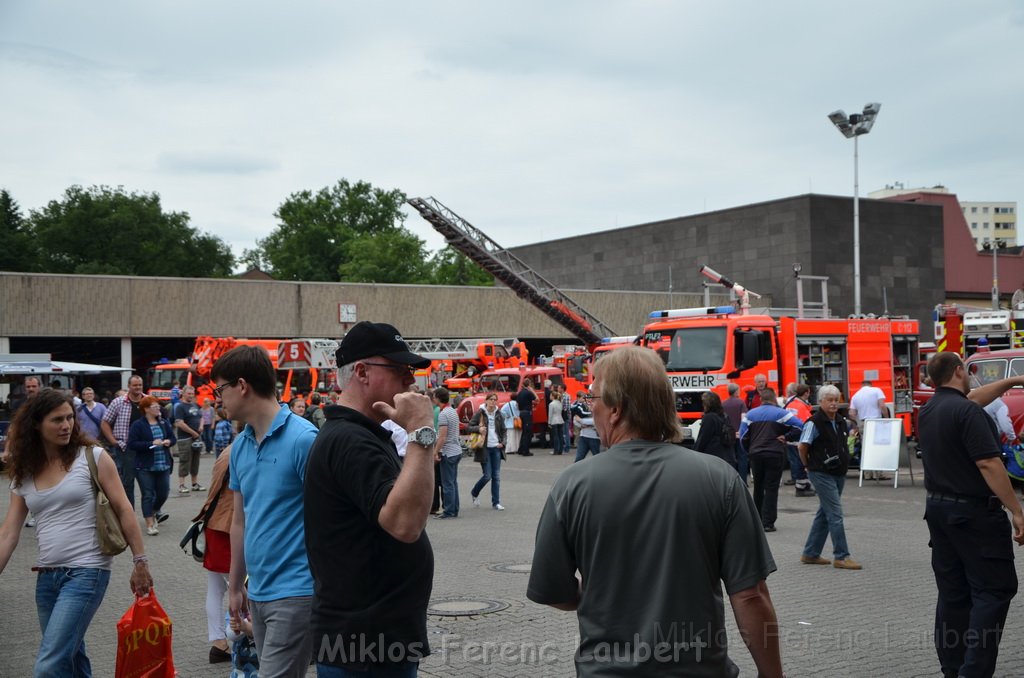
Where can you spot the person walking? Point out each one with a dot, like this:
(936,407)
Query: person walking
(587,442)
(491,425)
(640,540)
(217,554)
(734,409)
(366,514)
(50,476)
(150,440)
(266,471)
(555,421)
(207,417)
(970,535)
(524,401)
(188,422)
(825,453)
(763,431)
(122,412)
(716,435)
(90,414)
(448,451)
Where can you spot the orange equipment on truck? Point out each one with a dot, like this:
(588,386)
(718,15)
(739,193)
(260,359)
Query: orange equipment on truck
(301,364)
(456,361)
(706,348)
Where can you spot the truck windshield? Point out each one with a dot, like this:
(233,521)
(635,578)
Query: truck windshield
(500,383)
(164,379)
(988,371)
(689,349)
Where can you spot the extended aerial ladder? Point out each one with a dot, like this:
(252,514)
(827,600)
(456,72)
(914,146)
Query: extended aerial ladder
(512,271)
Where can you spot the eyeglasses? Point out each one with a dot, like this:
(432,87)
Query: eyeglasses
(219,391)
(407,369)
(593,396)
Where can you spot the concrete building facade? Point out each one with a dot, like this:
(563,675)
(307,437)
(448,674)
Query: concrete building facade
(902,253)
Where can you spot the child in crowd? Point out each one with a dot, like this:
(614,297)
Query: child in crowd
(244,661)
(223,432)
(207,417)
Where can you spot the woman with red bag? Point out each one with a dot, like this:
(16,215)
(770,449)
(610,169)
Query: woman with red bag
(50,477)
(217,556)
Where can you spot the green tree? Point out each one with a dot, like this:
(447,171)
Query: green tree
(451,267)
(346,232)
(17,247)
(103,230)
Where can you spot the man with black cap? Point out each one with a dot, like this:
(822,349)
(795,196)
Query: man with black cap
(366,510)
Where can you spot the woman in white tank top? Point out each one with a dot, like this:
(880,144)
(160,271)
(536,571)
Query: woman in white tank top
(50,477)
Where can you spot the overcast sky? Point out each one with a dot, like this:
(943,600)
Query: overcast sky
(532,120)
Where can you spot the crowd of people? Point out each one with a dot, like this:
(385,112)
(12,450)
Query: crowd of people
(314,524)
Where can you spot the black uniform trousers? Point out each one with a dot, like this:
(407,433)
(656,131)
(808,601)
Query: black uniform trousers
(527,432)
(972,558)
(766,468)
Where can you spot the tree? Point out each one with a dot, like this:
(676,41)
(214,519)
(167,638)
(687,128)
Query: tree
(451,267)
(346,232)
(102,230)
(17,247)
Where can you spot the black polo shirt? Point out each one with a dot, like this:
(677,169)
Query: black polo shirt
(370,590)
(954,434)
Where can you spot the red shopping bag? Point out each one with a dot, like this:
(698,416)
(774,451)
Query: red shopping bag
(144,641)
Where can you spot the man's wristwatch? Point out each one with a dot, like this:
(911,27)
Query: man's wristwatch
(425,436)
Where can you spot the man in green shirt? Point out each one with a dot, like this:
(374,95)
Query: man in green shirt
(653,531)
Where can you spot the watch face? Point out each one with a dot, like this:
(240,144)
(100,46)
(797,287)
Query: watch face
(426,436)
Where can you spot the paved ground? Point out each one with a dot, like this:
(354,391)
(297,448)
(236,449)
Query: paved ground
(876,622)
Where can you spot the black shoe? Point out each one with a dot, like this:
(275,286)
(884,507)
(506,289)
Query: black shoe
(527,454)
(161,517)
(789,482)
(806,493)
(219,656)
(769,528)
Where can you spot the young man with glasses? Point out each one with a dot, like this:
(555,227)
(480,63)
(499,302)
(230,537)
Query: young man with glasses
(267,469)
(366,512)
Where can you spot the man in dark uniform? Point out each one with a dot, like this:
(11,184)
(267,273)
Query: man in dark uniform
(972,556)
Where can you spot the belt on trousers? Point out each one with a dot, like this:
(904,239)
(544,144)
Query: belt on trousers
(991,503)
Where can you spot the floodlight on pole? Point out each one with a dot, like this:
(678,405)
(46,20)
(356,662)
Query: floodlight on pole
(855,125)
(994,244)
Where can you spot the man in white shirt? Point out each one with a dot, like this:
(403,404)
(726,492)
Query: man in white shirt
(868,403)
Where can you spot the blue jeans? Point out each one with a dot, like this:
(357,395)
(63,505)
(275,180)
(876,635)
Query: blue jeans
(66,600)
(828,521)
(403,670)
(584,445)
(207,436)
(566,445)
(450,483)
(558,438)
(492,473)
(796,467)
(155,487)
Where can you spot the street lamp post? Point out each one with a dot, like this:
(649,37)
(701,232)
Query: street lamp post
(994,244)
(855,125)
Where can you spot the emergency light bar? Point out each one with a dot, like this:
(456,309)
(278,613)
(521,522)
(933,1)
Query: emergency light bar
(691,312)
(619,340)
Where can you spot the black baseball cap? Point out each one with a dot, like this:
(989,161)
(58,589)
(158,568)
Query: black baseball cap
(366,340)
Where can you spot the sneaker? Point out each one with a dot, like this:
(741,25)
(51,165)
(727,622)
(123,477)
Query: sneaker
(151,530)
(806,493)
(770,528)
(161,517)
(499,507)
(183,490)
(789,482)
(31,522)
(815,560)
(476,502)
(196,487)
(846,564)
(444,516)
